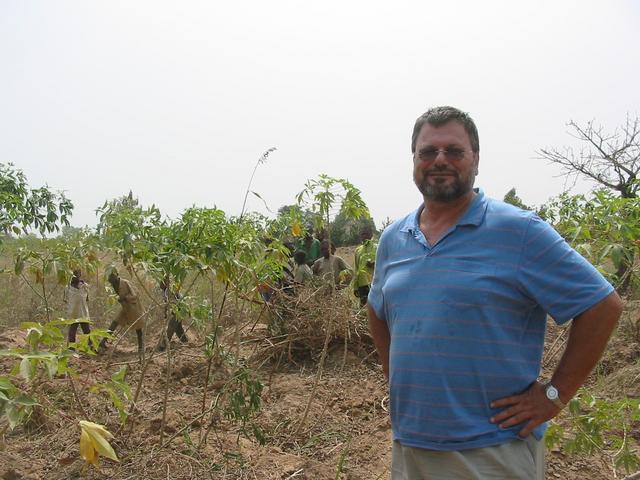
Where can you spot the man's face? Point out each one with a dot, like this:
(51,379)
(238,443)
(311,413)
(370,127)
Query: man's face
(365,235)
(450,173)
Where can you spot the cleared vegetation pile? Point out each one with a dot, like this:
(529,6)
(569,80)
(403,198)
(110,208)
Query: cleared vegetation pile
(306,323)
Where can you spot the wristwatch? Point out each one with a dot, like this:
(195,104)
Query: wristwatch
(552,394)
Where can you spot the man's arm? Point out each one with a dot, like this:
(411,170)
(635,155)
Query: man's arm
(588,337)
(381,339)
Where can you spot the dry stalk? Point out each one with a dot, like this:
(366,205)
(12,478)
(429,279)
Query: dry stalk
(77,398)
(555,347)
(203,439)
(31,286)
(213,348)
(318,376)
(633,476)
(166,387)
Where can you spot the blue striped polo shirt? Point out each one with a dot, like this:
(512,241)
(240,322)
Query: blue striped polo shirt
(467,318)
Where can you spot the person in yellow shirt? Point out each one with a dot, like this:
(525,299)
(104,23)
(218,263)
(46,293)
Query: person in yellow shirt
(363,264)
(131,313)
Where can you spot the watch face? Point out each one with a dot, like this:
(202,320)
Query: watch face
(552,392)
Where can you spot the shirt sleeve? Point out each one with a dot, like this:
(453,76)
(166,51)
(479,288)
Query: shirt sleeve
(557,277)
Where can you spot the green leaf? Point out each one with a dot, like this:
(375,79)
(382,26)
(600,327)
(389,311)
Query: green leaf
(24,399)
(10,353)
(119,376)
(14,416)
(52,367)
(26,369)
(5,384)
(617,255)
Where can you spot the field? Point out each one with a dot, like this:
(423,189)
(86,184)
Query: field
(344,434)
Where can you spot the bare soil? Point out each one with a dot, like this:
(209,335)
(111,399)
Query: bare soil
(346,434)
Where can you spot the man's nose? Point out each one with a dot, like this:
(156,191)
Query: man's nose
(441,158)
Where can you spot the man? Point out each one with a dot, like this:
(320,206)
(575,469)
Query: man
(363,264)
(329,267)
(458,308)
(76,296)
(302,274)
(131,314)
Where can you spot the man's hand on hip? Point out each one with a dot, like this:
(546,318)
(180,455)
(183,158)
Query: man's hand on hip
(531,407)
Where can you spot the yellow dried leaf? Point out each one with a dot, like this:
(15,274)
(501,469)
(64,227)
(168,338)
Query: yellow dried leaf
(96,427)
(86,448)
(103,448)
(296,230)
(94,441)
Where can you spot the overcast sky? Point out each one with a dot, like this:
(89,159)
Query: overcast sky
(177,100)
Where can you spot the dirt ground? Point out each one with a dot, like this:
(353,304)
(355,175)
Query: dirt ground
(346,433)
(346,425)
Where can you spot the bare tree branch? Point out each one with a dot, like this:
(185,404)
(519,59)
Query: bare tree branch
(609,159)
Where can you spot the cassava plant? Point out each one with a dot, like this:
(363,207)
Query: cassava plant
(604,228)
(46,354)
(599,425)
(327,196)
(23,208)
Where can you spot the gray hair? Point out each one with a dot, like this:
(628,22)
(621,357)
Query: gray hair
(439,116)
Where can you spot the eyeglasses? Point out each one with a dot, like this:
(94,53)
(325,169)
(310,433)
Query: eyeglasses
(451,153)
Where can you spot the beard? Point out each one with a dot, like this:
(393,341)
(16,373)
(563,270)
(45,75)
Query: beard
(443,189)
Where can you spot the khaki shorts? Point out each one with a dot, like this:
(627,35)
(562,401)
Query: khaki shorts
(519,459)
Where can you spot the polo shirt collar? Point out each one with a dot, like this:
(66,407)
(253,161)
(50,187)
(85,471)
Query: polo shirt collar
(473,215)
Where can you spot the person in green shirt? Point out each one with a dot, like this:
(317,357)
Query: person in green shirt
(363,264)
(310,246)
